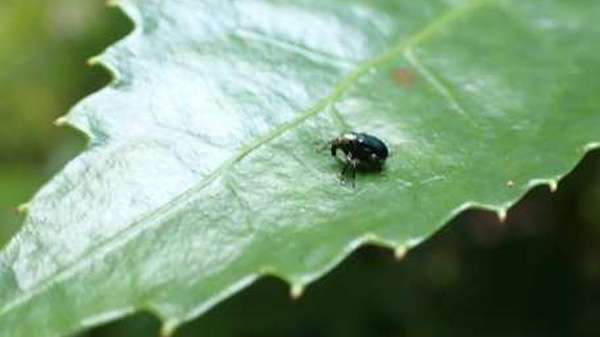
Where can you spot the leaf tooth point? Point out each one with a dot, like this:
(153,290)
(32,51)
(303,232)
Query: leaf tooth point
(23,208)
(553,184)
(501,212)
(296,291)
(93,61)
(167,329)
(61,121)
(591,146)
(400,252)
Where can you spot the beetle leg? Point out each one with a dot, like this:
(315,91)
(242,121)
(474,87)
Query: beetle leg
(344,170)
(334,147)
(351,165)
(347,174)
(344,173)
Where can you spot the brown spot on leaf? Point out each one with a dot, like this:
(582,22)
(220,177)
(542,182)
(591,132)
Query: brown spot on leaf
(403,77)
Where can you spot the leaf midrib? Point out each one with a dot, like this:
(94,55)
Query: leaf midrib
(124,235)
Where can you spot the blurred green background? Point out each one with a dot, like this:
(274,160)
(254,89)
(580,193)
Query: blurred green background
(538,274)
(43,49)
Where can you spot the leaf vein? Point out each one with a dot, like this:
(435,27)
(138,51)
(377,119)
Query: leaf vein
(437,83)
(150,220)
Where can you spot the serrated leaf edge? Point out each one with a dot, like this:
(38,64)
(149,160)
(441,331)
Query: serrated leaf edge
(297,287)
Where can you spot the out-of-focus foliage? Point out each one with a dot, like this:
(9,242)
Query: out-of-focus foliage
(43,49)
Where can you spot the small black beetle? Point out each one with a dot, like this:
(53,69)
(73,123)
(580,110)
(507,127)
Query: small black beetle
(363,152)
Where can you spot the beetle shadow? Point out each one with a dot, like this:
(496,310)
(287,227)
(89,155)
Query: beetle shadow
(347,177)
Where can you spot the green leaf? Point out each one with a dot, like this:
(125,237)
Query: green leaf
(201,172)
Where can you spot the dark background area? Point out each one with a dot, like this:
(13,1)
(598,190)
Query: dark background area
(537,274)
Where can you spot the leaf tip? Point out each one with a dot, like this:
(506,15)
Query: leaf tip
(501,212)
(93,61)
(400,252)
(553,184)
(591,146)
(22,208)
(296,291)
(60,121)
(112,3)
(168,328)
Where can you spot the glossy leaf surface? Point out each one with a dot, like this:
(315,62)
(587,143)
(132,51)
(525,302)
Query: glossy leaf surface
(201,173)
